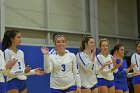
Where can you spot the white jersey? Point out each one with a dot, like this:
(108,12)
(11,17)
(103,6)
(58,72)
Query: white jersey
(135,59)
(54,51)
(63,69)
(2,67)
(106,73)
(87,70)
(17,71)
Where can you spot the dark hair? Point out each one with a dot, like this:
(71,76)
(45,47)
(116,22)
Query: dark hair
(116,48)
(54,36)
(8,35)
(84,41)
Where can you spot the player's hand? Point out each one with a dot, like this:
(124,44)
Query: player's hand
(108,63)
(93,55)
(118,65)
(136,73)
(39,71)
(27,69)
(11,63)
(45,50)
(132,66)
(94,52)
(114,58)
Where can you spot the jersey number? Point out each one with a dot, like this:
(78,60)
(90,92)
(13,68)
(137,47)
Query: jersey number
(63,67)
(19,64)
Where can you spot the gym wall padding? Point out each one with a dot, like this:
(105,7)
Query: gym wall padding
(34,58)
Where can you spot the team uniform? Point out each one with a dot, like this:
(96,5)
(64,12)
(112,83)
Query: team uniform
(16,78)
(135,59)
(2,72)
(105,77)
(121,77)
(87,70)
(54,51)
(64,72)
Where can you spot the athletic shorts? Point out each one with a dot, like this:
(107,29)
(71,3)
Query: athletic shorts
(73,88)
(136,80)
(15,83)
(95,86)
(104,82)
(2,87)
(121,86)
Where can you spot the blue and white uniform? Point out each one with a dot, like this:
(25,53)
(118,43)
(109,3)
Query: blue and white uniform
(54,51)
(87,70)
(121,77)
(2,72)
(135,59)
(16,77)
(64,72)
(105,77)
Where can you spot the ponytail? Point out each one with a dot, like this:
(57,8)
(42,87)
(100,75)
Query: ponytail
(84,41)
(8,35)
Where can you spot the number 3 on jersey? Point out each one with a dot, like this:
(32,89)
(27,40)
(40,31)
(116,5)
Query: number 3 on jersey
(63,67)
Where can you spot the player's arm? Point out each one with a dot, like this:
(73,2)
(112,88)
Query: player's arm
(76,72)
(47,61)
(81,62)
(100,67)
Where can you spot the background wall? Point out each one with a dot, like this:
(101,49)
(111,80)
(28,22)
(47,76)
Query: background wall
(39,19)
(26,13)
(118,22)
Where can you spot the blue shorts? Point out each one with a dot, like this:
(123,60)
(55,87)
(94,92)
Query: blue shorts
(73,88)
(95,86)
(121,86)
(2,87)
(104,82)
(136,80)
(15,83)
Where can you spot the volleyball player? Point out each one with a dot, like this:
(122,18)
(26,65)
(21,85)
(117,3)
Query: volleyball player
(105,76)
(4,70)
(121,75)
(17,75)
(135,59)
(64,77)
(87,70)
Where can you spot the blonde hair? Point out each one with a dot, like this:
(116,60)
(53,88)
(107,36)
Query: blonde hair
(56,37)
(102,40)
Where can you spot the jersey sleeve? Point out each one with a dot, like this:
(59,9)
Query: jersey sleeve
(7,55)
(18,73)
(48,66)
(97,66)
(75,71)
(81,62)
(133,61)
(100,64)
(2,64)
